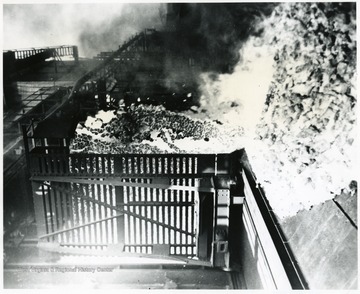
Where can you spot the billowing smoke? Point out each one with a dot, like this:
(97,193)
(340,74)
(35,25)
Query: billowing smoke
(236,70)
(216,30)
(113,31)
(92,26)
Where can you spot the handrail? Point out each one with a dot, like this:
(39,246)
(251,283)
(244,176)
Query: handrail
(57,162)
(37,48)
(81,81)
(295,276)
(64,50)
(107,61)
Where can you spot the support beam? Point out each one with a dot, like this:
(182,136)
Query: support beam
(120,182)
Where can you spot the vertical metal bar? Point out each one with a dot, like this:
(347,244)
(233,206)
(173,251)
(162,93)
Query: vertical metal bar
(190,159)
(137,219)
(71,211)
(87,164)
(107,165)
(192,211)
(176,164)
(178,226)
(47,208)
(65,215)
(174,216)
(126,168)
(26,144)
(62,164)
(108,213)
(147,165)
(176,170)
(103,213)
(60,217)
(142,213)
(43,164)
(132,219)
(126,217)
(138,165)
(49,211)
(70,162)
(91,165)
(108,157)
(135,207)
(88,212)
(76,215)
(165,165)
(160,164)
(155,163)
(179,166)
(110,222)
(150,164)
(103,170)
(176,212)
(55,160)
(171,165)
(40,210)
(139,208)
(186,218)
(154,217)
(166,217)
(72,165)
(195,165)
(80,159)
(128,165)
(95,196)
(77,164)
(118,165)
(54,210)
(141,165)
(156,214)
(161,208)
(113,213)
(82,211)
(188,164)
(97,165)
(183,164)
(149,216)
(134,164)
(98,213)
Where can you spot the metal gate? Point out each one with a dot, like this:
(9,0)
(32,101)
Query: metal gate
(131,204)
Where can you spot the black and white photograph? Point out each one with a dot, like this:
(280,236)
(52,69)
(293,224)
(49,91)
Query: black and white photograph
(180,145)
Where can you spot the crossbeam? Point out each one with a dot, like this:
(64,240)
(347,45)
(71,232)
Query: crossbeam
(122,212)
(78,194)
(120,182)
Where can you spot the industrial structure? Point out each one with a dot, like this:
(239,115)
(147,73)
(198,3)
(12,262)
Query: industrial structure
(196,210)
(169,214)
